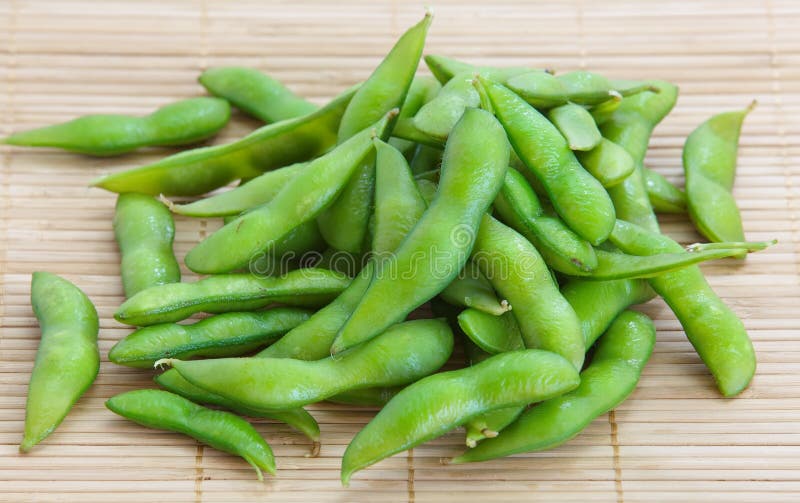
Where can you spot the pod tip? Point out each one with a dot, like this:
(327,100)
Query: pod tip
(164,362)
(314,452)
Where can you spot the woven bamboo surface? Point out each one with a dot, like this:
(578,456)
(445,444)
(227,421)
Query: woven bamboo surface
(675,439)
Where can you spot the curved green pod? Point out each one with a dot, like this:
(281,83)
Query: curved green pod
(297,418)
(67,360)
(229,292)
(180,123)
(545,91)
(300,201)
(201,170)
(709,163)
(471,289)
(144,231)
(227,334)
(474,165)
(435,405)
(663,195)
(492,334)
(404,353)
(255,93)
(576,125)
(612,375)
(221,430)
(444,69)
(576,195)
(609,163)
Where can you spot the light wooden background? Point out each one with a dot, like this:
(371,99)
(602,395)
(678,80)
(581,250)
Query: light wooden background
(675,439)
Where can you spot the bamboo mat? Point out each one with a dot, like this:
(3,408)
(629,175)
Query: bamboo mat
(675,439)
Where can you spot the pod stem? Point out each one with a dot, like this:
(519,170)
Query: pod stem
(164,361)
(746,246)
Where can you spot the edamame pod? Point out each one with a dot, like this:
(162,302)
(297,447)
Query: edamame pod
(664,197)
(492,334)
(255,93)
(546,91)
(577,126)
(229,292)
(344,224)
(444,69)
(709,163)
(227,334)
(67,360)
(144,231)
(612,375)
(406,352)
(221,430)
(180,123)
(577,197)
(300,201)
(297,418)
(608,162)
(716,333)
(471,289)
(201,170)
(473,169)
(436,404)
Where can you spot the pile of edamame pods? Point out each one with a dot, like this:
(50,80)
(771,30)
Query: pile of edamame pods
(512,201)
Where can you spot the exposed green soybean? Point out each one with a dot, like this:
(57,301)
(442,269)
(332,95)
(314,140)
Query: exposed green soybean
(577,126)
(229,292)
(663,195)
(221,430)
(404,353)
(255,93)
(180,123)
(144,231)
(227,334)
(201,170)
(608,162)
(435,405)
(67,360)
(611,376)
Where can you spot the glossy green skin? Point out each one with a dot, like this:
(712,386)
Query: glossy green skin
(716,333)
(492,334)
(612,375)
(598,303)
(603,111)
(227,334)
(608,162)
(229,292)
(300,201)
(630,127)
(297,418)
(145,231)
(304,241)
(665,197)
(576,195)
(255,93)
(180,123)
(372,397)
(67,360)
(473,169)
(444,69)
(254,193)
(201,170)
(435,405)
(709,163)
(398,203)
(221,430)
(344,225)
(422,90)
(404,353)
(546,91)
(471,289)
(563,250)
(438,117)
(577,126)
(518,273)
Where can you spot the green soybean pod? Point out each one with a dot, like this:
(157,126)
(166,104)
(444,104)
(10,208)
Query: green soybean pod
(404,353)
(345,223)
(300,201)
(255,93)
(444,69)
(609,163)
(491,334)
(716,333)
(221,430)
(371,397)
(297,418)
(436,404)
(67,360)
(474,165)
(630,127)
(542,90)
(201,170)
(227,334)
(576,195)
(613,373)
(663,195)
(709,163)
(471,289)
(602,111)
(577,126)
(518,273)
(438,117)
(144,231)
(229,292)
(180,123)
